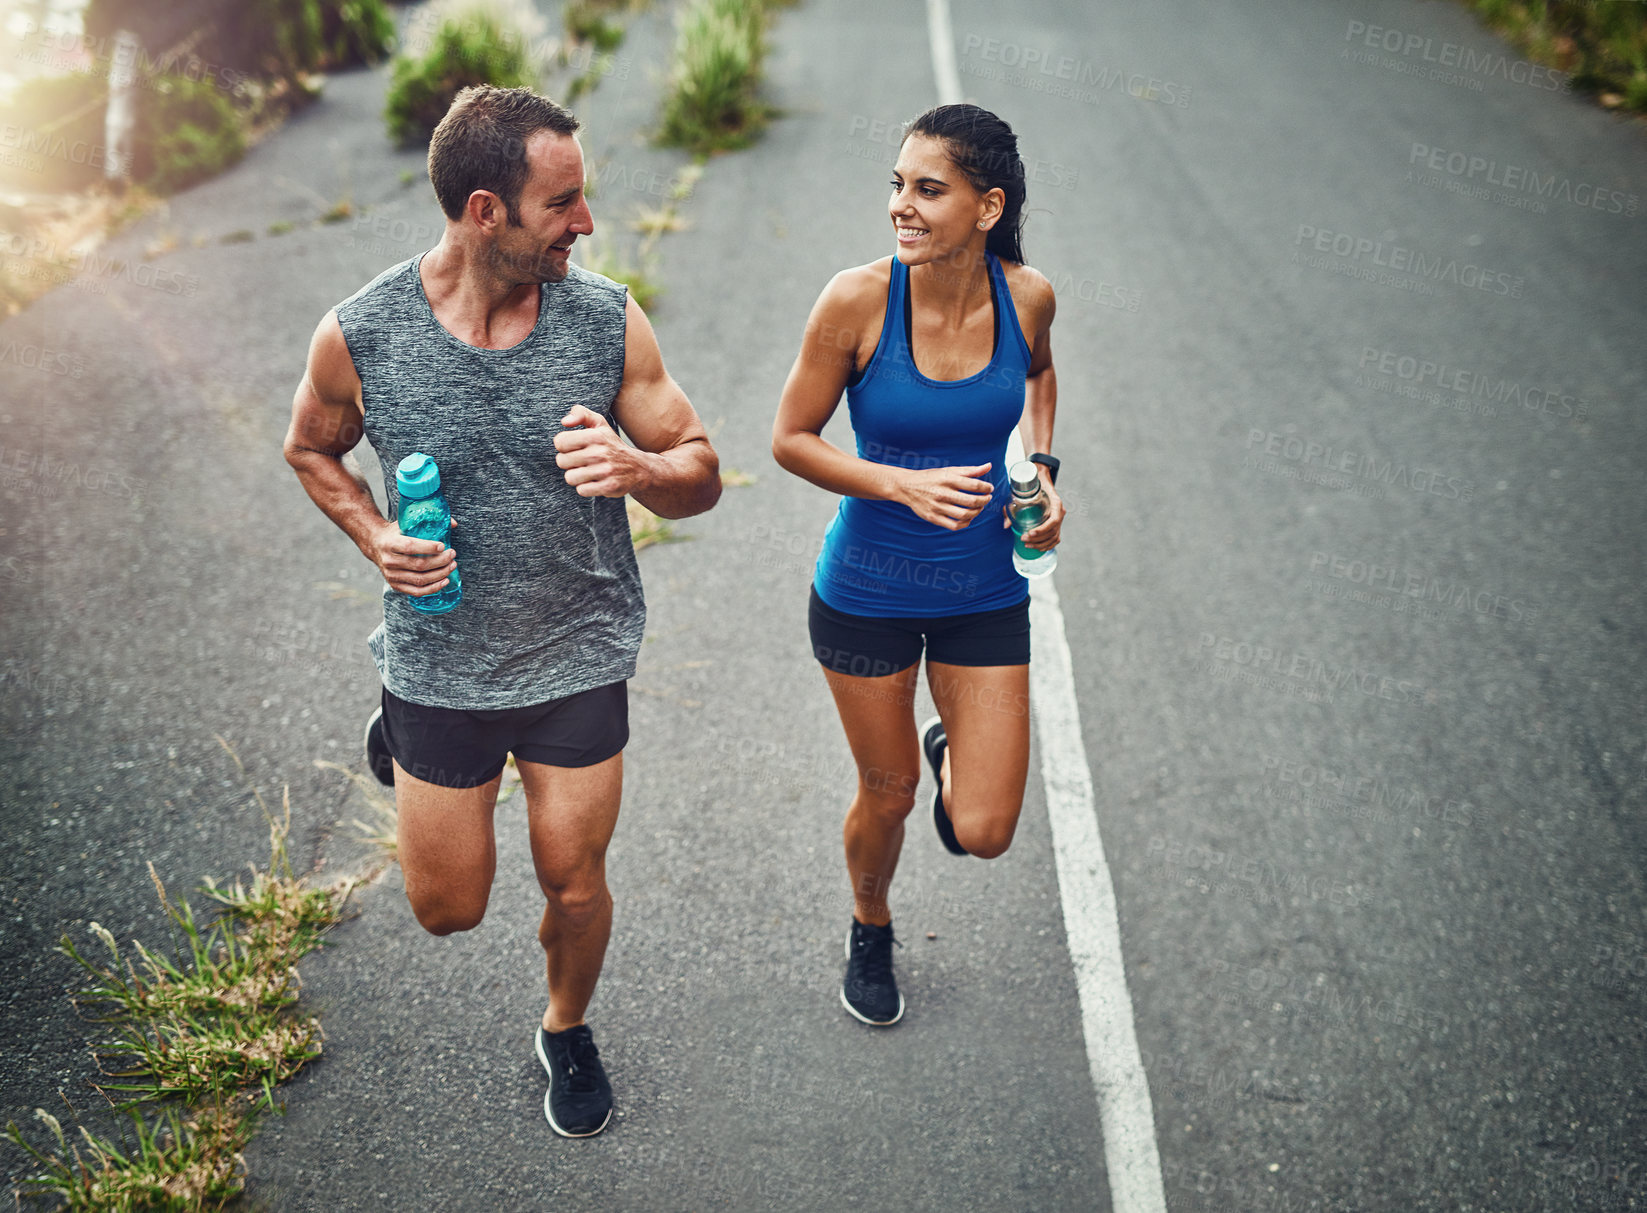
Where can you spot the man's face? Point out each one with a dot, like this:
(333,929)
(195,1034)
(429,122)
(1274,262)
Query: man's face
(553,212)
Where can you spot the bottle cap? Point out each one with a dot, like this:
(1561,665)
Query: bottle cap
(1025,477)
(417,476)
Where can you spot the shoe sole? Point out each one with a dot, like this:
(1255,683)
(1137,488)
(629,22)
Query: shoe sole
(366,745)
(537,1047)
(874,1023)
(925,729)
(938,793)
(852,1011)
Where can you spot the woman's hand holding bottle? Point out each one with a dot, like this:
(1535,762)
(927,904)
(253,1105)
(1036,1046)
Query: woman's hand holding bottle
(1045,534)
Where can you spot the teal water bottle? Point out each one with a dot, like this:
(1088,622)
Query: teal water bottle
(1027,509)
(424,514)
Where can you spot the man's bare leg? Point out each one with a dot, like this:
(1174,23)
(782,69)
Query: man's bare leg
(572,812)
(446,849)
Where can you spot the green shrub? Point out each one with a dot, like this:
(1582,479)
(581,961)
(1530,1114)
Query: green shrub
(1602,45)
(474,45)
(188,131)
(712,102)
(266,39)
(308,34)
(59,130)
(290,41)
(587,21)
(355,31)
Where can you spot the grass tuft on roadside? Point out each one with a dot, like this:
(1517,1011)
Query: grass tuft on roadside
(382,830)
(602,258)
(177,1164)
(646,528)
(207,1032)
(655,221)
(713,103)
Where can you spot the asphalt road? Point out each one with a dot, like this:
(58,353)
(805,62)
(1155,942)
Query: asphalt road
(1352,435)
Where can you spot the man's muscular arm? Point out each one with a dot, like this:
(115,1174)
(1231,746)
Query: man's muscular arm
(327,423)
(671,469)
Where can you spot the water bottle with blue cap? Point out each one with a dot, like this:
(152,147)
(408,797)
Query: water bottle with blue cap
(425,514)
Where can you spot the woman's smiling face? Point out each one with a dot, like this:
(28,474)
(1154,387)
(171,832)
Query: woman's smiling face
(934,208)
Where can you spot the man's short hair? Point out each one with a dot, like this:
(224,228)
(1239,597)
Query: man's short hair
(481,145)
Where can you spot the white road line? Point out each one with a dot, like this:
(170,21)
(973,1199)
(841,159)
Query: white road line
(1091,921)
(942,41)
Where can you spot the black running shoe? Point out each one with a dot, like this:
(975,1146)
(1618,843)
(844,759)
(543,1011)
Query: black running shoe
(934,742)
(579,1100)
(868,991)
(378,758)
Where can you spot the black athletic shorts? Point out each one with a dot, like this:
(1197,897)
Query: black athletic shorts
(459,749)
(873,646)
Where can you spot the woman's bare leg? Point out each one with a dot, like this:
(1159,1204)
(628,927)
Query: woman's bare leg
(879,717)
(985,710)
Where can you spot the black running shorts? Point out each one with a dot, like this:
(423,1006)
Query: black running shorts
(459,749)
(873,646)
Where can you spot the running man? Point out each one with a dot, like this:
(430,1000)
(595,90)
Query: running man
(515,370)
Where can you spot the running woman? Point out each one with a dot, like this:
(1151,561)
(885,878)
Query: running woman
(941,349)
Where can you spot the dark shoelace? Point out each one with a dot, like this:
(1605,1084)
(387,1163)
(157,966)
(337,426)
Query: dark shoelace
(875,964)
(582,1058)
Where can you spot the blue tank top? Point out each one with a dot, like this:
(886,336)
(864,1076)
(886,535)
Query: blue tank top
(879,557)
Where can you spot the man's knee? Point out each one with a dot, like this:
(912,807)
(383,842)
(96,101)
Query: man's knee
(985,837)
(443,916)
(576,898)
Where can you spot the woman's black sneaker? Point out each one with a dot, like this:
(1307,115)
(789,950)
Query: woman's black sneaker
(579,1100)
(378,758)
(934,742)
(869,991)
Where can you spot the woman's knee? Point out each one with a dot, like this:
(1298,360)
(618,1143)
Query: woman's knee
(887,795)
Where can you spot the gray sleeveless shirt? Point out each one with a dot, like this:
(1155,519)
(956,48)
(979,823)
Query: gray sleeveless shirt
(552,599)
